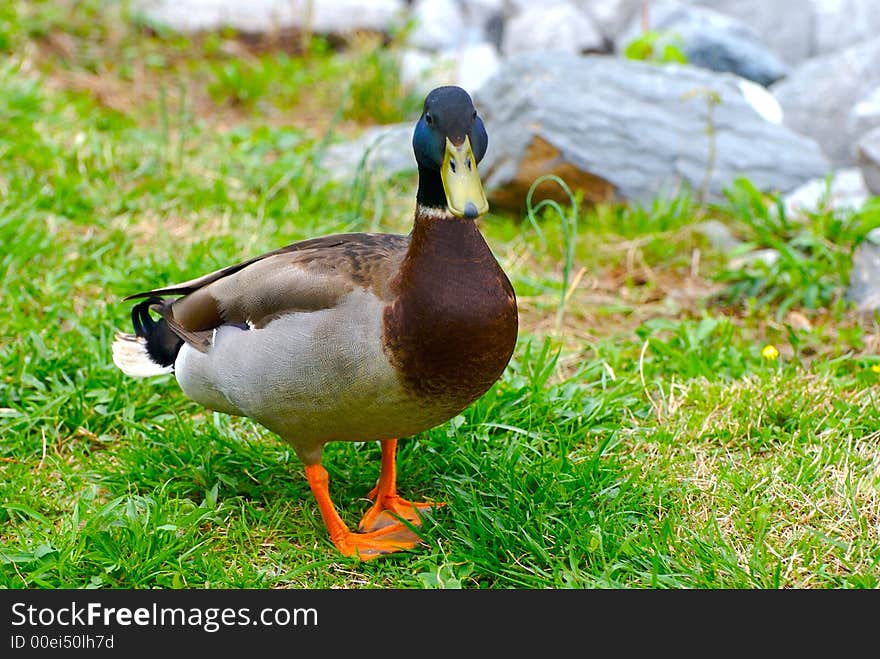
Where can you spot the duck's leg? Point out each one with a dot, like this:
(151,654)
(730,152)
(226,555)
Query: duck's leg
(365,545)
(388,507)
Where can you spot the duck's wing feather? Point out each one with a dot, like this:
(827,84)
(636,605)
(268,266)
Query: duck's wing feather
(306,276)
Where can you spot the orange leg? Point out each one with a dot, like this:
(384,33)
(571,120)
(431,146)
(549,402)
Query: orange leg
(389,508)
(365,545)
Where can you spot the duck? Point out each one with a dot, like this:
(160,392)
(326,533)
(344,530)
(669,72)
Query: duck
(350,337)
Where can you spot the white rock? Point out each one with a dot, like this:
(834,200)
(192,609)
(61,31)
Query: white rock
(560,27)
(438,24)
(846,191)
(840,24)
(468,67)
(326,16)
(764,102)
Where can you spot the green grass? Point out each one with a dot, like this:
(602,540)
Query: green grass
(642,441)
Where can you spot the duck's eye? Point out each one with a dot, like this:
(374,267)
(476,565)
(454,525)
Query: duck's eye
(429,119)
(474,117)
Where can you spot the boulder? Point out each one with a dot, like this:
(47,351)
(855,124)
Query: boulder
(843,23)
(711,40)
(787,28)
(259,16)
(868,150)
(818,96)
(560,26)
(625,130)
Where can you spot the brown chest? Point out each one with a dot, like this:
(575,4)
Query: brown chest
(452,328)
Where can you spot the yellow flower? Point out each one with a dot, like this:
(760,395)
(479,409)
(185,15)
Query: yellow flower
(875,368)
(769,352)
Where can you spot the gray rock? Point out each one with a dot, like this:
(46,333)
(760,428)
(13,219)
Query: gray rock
(845,190)
(560,26)
(611,16)
(864,279)
(869,159)
(843,23)
(257,16)
(620,129)
(787,28)
(818,96)
(383,150)
(712,40)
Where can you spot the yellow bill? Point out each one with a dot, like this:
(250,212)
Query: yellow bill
(461,182)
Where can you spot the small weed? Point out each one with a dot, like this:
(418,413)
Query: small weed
(568,222)
(660,47)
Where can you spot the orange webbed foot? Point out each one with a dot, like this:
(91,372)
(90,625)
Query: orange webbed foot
(390,509)
(374,544)
(387,527)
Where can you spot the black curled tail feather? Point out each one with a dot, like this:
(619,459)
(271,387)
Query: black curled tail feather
(162,344)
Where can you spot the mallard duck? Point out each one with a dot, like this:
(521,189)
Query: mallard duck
(350,337)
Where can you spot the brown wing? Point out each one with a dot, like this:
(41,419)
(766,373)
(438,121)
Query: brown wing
(305,276)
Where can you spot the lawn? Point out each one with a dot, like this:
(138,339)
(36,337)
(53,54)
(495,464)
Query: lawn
(644,435)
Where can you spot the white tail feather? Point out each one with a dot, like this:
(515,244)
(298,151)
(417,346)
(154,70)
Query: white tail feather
(131,356)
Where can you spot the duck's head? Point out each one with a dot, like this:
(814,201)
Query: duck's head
(449,140)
